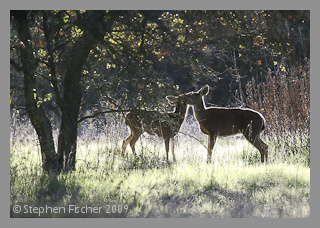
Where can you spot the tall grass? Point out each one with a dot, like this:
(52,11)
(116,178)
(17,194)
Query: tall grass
(236,184)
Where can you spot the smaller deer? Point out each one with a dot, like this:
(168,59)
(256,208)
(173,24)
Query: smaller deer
(165,125)
(219,121)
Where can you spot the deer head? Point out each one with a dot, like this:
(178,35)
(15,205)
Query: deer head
(195,98)
(178,101)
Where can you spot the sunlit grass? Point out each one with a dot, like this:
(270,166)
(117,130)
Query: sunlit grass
(236,184)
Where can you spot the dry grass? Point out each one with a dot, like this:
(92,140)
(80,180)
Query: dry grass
(284,99)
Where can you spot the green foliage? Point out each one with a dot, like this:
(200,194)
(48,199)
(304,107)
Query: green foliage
(146,48)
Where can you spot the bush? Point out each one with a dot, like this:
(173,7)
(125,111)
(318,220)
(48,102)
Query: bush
(283,99)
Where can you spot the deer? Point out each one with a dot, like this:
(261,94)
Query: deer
(223,121)
(165,125)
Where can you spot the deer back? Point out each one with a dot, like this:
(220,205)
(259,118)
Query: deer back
(228,121)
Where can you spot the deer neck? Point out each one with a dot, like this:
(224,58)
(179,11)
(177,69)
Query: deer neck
(199,110)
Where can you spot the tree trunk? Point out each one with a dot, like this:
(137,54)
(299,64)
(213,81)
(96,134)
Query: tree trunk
(72,97)
(39,120)
(94,29)
(72,93)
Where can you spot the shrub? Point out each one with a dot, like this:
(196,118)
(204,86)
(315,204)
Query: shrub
(283,99)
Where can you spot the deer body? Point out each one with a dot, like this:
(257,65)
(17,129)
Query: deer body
(218,121)
(164,125)
(227,121)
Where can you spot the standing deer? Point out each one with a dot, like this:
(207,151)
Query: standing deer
(165,125)
(219,121)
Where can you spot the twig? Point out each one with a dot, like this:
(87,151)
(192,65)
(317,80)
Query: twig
(100,113)
(194,138)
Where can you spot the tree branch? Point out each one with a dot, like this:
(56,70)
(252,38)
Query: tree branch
(101,113)
(51,64)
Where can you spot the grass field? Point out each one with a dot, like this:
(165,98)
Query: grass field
(236,184)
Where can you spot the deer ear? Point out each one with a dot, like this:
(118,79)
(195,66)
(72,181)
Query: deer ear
(204,90)
(172,100)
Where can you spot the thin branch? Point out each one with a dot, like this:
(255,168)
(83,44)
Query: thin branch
(195,139)
(109,98)
(51,64)
(101,113)
(45,77)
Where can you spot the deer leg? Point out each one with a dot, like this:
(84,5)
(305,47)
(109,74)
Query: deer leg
(125,144)
(172,148)
(131,139)
(211,142)
(259,144)
(262,147)
(133,143)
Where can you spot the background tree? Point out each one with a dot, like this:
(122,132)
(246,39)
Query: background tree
(51,46)
(59,48)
